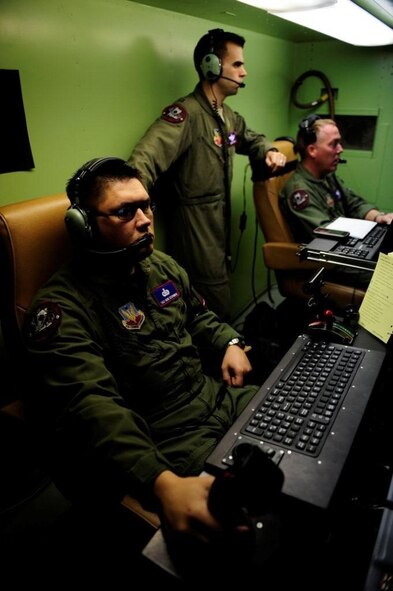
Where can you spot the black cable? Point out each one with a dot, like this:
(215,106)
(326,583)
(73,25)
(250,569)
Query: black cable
(328,96)
(243,218)
(254,257)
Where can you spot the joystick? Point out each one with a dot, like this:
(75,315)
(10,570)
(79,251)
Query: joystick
(325,325)
(250,487)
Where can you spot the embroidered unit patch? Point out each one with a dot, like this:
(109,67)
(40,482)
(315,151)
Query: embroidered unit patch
(44,322)
(299,199)
(174,114)
(133,318)
(217,139)
(330,201)
(232,138)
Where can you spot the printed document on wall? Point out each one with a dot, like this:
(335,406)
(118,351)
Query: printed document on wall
(376,310)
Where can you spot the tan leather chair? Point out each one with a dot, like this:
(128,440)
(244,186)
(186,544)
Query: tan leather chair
(33,244)
(280,248)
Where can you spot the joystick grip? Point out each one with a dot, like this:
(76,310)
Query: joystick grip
(251,487)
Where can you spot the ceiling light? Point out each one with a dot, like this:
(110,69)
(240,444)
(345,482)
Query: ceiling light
(279,5)
(341,19)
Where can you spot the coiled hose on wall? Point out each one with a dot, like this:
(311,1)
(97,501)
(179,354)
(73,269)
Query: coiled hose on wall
(327,96)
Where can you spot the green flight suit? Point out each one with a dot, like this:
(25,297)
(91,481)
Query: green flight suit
(121,391)
(186,144)
(308,202)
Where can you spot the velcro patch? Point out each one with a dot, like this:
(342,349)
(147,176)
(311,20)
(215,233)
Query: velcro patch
(43,322)
(132,317)
(166,293)
(174,114)
(232,138)
(330,201)
(217,138)
(299,199)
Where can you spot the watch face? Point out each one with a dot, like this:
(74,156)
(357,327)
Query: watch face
(237,341)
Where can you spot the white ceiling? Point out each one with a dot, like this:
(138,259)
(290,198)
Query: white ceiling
(233,13)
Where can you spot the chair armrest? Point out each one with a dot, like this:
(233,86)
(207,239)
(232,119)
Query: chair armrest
(16,410)
(282,256)
(133,505)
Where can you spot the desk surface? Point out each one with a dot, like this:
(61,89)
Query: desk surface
(366,340)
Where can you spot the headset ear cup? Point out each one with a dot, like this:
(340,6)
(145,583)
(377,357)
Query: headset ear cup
(76,218)
(306,127)
(211,67)
(78,224)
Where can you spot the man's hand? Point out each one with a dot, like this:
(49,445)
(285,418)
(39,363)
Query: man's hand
(184,505)
(275,160)
(380,217)
(235,365)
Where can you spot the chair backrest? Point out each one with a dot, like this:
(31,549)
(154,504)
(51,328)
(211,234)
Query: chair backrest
(33,243)
(266,199)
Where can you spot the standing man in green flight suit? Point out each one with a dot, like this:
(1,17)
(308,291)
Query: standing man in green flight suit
(189,149)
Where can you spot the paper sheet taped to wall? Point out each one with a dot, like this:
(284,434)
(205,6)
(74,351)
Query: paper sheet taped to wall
(376,310)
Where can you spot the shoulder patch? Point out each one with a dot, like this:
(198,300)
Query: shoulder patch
(299,199)
(43,322)
(174,113)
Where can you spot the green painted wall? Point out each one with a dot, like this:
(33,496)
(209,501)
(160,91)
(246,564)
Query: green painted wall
(364,79)
(95,73)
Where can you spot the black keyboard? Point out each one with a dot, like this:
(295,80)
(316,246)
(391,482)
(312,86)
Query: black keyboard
(362,248)
(354,252)
(303,402)
(305,416)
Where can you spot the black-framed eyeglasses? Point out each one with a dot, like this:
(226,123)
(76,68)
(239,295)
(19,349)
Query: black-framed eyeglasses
(127,212)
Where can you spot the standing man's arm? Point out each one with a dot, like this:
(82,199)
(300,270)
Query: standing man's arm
(257,147)
(162,144)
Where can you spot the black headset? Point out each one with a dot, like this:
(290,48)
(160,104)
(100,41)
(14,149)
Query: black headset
(211,66)
(306,128)
(77,218)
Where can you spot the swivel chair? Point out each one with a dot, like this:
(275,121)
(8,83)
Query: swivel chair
(280,248)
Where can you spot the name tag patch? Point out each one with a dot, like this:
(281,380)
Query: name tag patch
(166,293)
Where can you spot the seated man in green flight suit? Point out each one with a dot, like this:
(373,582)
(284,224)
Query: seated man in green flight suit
(314,195)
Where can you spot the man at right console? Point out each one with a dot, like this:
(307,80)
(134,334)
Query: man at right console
(314,196)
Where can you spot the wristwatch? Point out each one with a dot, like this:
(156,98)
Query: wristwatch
(237,341)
